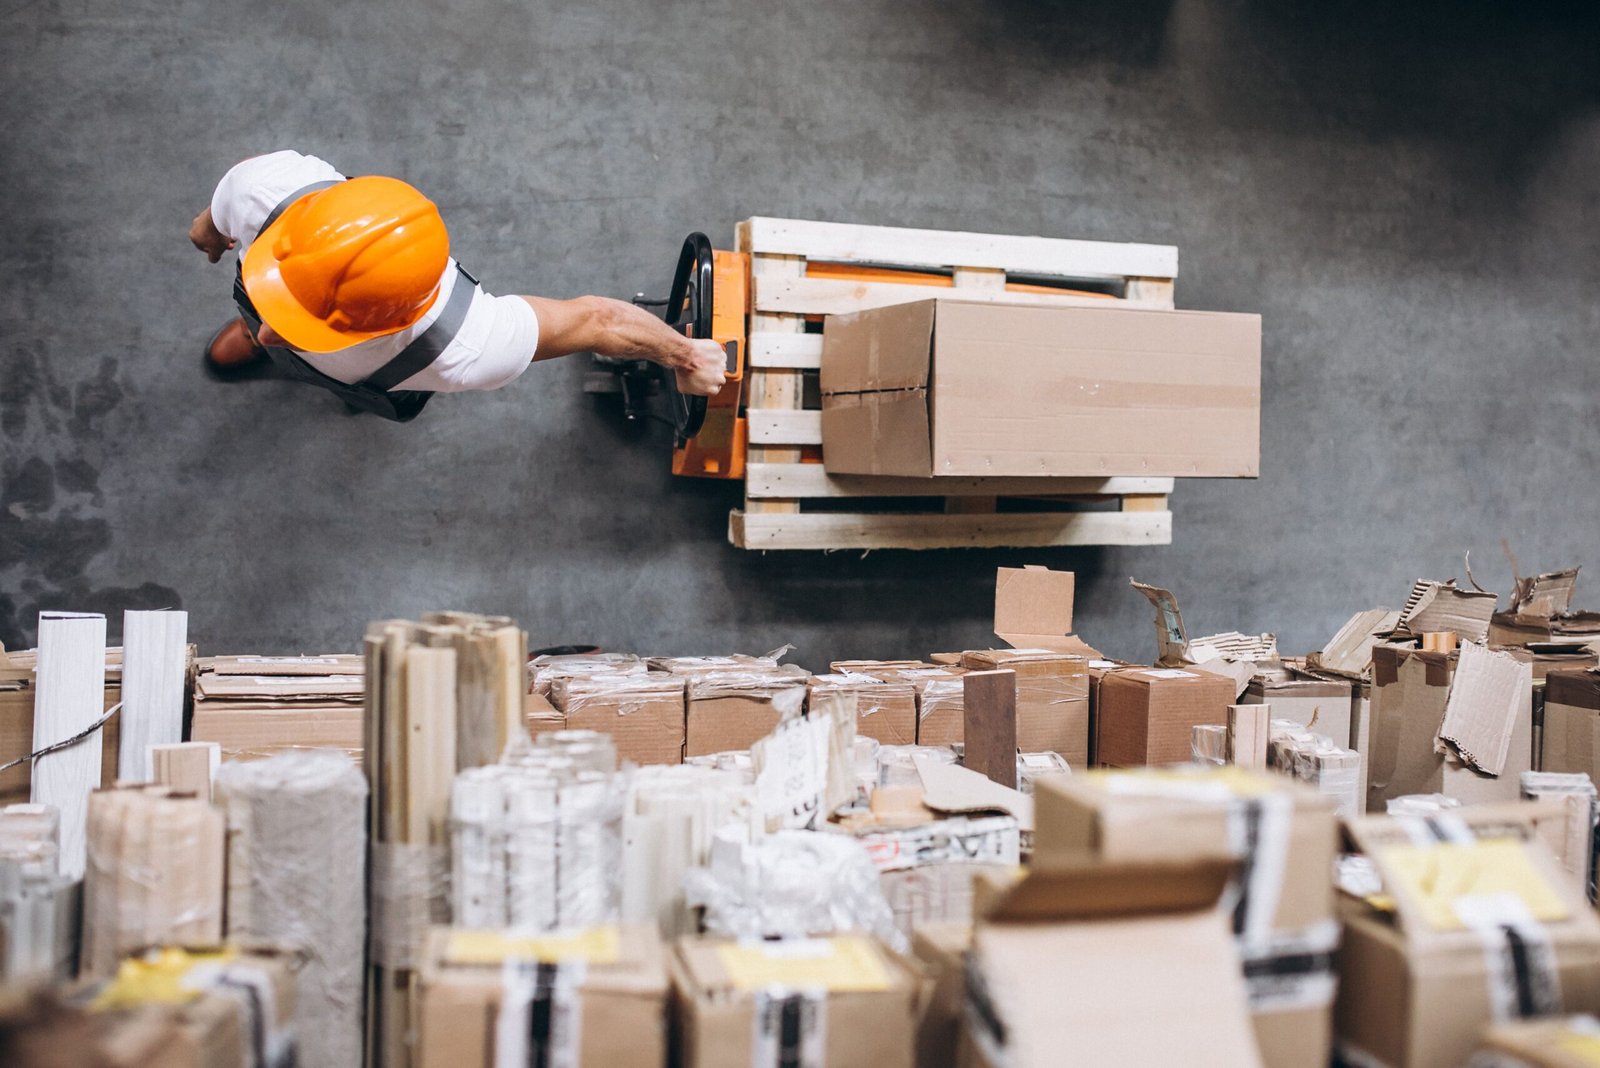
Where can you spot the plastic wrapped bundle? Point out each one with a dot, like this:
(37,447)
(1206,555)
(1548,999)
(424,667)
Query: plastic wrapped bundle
(546,670)
(588,750)
(1420,805)
(737,761)
(1033,766)
(671,816)
(897,764)
(1208,743)
(38,905)
(791,884)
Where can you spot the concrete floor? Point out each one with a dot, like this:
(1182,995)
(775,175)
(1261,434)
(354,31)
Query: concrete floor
(1406,193)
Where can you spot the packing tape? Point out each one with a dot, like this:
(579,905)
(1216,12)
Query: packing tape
(982,1019)
(1519,960)
(540,1023)
(790,1029)
(266,1044)
(1258,834)
(1296,972)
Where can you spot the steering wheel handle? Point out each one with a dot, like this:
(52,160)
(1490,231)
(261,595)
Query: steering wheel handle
(688,311)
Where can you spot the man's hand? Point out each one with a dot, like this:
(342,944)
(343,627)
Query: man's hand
(704,374)
(205,236)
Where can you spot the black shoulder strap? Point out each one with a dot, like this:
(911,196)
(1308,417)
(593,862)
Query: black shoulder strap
(426,346)
(283,205)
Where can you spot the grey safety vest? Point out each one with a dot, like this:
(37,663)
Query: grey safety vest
(376,392)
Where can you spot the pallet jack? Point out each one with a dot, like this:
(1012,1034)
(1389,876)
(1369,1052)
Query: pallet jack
(709,297)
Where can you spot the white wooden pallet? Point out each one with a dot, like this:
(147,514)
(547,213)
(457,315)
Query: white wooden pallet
(781,490)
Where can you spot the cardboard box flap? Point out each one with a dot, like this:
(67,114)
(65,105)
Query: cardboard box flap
(1033,608)
(889,349)
(1549,594)
(1442,606)
(1239,672)
(1232,645)
(950,788)
(1489,690)
(1349,652)
(1104,891)
(280,687)
(1171,641)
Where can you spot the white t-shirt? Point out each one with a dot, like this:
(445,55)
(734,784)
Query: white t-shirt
(494,345)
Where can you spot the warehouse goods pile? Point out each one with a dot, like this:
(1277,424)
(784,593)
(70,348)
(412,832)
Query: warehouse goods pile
(443,854)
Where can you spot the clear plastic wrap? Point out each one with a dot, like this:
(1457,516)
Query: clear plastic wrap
(791,884)
(410,884)
(1033,766)
(1208,743)
(297,879)
(544,671)
(737,761)
(671,816)
(1420,805)
(38,913)
(897,764)
(588,750)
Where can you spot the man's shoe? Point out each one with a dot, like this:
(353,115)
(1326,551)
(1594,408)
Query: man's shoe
(234,355)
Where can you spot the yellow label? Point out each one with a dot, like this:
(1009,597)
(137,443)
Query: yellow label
(156,978)
(1228,778)
(838,965)
(1437,876)
(594,945)
(1584,1047)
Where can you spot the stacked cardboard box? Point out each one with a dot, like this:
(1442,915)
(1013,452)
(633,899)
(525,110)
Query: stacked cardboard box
(1466,735)
(1283,834)
(590,998)
(257,706)
(1571,716)
(1472,925)
(1147,715)
(886,710)
(643,713)
(730,709)
(16,721)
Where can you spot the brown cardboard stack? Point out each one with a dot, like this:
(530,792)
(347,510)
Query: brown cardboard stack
(643,713)
(1469,929)
(941,703)
(733,709)
(1541,612)
(843,1001)
(1285,836)
(209,1008)
(1318,703)
(543,671)
(886,711)
(1547,659)
(590,998)
(256,706)
(951,387)
(154,876)
(1572,722)
(1441,729)
(1147,715)
(1108,963)
(17,682)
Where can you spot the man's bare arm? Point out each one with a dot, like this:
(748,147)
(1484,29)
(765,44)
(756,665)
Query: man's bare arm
(617,328)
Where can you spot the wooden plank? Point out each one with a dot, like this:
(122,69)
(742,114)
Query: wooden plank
(989,725)
(813,480)
(777,427)
(69,699)
(831,296)
(1145,503)
(852,243)
(1153,290)
(966,278)
(829,530)
(155,654)
(771,388)
(797,352)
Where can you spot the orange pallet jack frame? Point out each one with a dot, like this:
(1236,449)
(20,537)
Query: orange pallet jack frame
(720,447)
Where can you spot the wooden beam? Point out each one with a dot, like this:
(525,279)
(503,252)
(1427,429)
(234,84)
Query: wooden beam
(791,351)
(830,530)
(69,698)
(155,655)
(813,480)
(770,427)
(989,725)
(829,296)
(850,243)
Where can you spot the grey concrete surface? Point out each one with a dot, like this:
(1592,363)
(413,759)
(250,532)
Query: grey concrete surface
(1405,191)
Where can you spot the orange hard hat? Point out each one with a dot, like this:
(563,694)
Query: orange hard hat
(347,263)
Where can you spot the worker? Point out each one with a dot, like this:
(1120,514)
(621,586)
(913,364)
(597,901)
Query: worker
(348,284)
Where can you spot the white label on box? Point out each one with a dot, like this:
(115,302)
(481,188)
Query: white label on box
(1171,673)
(539,1021)
(1103,663)
(792,772)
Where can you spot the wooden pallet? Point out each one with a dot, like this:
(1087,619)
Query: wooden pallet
(791,502)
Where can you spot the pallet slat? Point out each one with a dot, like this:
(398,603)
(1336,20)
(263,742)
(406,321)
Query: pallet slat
(828,530)
(849,243)
(794,352)
(812,480)
(832,296)
(784,427)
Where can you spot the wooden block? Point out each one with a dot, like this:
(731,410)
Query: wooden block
(1157,292)
(851,243)
(1248,729)
(186,767)
(989,729)
(830,530)
(966,278)
(1141,502)
(70,689)
(155,655)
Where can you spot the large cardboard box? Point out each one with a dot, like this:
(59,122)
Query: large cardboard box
(1108,963)
(1467,930)
(594,998)
(1318,703)
(16,741)
(1420,719)
(735,709)
(885,711)
(844,1002)
(644,714)
(1052,699)
(1146,715)
(1284,837)
(1548,658)
(941,704)
(953,387)
(1572,722)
